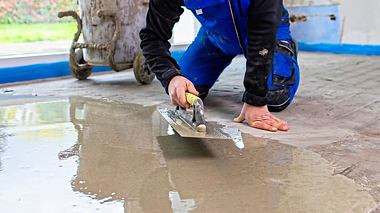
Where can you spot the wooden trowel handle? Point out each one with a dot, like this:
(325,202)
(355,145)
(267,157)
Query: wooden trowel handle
(191,99)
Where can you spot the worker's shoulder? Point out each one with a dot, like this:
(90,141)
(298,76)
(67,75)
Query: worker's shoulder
(168,3)
(170,9)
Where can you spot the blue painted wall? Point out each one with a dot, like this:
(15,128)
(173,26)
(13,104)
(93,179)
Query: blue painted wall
(318,27)
(39,71)
(355,49)
(320,33)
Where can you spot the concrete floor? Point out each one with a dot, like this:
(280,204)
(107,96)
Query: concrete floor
(336,113)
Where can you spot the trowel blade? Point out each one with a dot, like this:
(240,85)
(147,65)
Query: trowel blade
(213,130)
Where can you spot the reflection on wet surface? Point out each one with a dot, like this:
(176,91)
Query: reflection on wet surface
(81,155)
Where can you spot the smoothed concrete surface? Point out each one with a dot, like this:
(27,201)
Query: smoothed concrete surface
(90,155)
(335,114)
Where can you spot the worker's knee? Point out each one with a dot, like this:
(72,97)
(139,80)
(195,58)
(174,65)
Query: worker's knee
(284,78)
(279,99)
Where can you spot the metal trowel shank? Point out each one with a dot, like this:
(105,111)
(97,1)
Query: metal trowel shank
(188,123)
(181,121)
(191,123)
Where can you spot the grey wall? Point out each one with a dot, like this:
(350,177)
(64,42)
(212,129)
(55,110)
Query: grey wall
(311,2)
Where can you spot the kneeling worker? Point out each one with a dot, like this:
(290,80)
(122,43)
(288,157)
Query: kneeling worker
(259,29)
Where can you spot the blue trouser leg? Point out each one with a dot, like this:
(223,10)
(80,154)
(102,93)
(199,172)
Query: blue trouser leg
(284,78)
(202,63)
(283,31)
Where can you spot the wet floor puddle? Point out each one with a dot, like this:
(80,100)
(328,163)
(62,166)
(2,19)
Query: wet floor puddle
(82,155)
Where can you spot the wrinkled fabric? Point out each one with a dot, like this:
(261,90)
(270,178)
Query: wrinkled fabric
(258,24)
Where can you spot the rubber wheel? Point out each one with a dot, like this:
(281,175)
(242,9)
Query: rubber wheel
(142,74)
(85,70)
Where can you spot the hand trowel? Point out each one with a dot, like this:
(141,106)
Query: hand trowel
(191,123)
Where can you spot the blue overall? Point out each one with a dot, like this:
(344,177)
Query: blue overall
(220,39)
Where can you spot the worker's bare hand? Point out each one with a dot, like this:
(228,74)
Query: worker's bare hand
(178,86)
(261,118)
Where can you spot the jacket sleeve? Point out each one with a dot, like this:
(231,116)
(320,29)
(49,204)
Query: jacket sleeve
(264,18)
(160,20)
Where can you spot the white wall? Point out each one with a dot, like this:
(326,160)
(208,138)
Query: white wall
(186,29)
(295,3)
(361,21)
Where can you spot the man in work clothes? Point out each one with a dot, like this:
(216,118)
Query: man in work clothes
(259,29)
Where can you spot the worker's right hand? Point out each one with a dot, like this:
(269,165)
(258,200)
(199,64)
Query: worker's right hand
(260,118)
(177,88)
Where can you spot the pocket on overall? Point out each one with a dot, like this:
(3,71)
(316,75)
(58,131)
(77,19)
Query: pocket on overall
(284,78)
(283,73)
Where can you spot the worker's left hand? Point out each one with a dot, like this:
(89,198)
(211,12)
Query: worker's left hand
(261,118)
